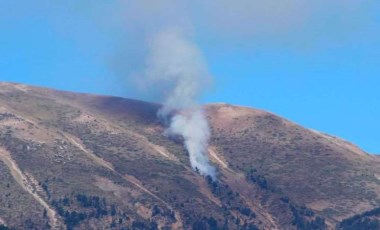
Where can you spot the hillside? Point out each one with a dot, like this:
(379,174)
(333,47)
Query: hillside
(79,161)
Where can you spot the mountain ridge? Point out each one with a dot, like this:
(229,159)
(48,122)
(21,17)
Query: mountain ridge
(104,161)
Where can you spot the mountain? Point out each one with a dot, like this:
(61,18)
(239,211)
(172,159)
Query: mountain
(79,161)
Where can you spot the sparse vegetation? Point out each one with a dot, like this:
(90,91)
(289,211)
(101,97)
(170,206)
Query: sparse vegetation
(274,167)
(84,208)
(369,220)
(303,218)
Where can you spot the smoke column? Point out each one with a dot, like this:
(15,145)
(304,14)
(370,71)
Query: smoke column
(175,65)
(194,128)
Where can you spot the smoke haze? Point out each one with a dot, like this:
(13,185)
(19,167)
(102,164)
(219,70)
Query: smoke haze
(175,66)
(170,66)
(228,24)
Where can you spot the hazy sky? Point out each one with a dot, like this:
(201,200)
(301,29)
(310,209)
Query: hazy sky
(317,64)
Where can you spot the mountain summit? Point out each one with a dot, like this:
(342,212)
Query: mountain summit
(79,161)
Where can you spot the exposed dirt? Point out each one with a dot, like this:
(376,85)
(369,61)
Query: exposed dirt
(23,181)
(163,151)
(88,153)
(216,158)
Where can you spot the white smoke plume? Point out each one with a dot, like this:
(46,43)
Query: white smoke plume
(175,65)
(193,126)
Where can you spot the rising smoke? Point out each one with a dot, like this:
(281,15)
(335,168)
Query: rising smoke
(175,64)
(175,71)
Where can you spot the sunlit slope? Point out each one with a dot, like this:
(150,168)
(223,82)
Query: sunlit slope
(81,161)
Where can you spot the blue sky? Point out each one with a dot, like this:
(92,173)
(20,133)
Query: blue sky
(319,68)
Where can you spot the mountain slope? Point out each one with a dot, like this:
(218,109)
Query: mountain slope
(81,161)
